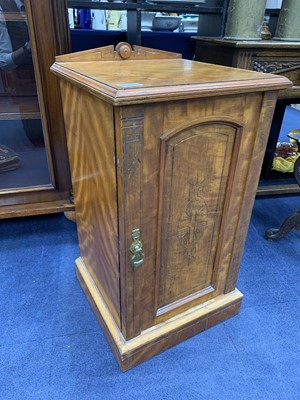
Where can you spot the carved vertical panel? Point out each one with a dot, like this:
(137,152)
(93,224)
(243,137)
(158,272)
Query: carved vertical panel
(244,59)
(132,126)
(194,173)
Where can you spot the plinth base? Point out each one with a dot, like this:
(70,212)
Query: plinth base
(159,337)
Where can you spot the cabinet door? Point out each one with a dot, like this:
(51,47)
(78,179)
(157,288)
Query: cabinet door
(186,186)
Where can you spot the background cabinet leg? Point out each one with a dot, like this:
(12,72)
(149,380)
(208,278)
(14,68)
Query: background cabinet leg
(291,222)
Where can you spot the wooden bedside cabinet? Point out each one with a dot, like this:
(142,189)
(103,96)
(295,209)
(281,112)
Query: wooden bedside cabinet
(165,157)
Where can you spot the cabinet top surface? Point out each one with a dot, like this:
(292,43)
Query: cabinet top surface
(133,81)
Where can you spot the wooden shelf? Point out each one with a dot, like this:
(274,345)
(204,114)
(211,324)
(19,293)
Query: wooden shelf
(50,207)
(270,190)
(12,16)
(19,108)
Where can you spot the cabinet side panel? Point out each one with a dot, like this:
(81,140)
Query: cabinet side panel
(251,183)
(91,145)
(194,174)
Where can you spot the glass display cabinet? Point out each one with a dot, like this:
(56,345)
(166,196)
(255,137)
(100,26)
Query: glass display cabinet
(34,169)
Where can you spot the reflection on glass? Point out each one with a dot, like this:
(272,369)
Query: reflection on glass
(23,159)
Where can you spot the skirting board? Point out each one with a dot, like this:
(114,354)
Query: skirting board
(159,337)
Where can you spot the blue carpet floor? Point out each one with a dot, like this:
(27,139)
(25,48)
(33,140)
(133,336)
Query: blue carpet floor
(51,346)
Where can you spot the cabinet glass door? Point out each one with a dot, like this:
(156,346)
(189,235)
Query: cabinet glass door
(23,156)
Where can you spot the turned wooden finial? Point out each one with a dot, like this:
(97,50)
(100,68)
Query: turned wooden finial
(124,49)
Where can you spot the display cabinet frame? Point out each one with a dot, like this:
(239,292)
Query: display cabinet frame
(49,36)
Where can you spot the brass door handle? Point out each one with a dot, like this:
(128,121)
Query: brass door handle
(136,247)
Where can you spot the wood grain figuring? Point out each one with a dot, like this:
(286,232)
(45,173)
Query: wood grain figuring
(177,158)
(149,76)
(234,206)
(142,81)
(257,147)
(196,162)
(90,138)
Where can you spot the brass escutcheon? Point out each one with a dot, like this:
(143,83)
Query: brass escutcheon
(136,247)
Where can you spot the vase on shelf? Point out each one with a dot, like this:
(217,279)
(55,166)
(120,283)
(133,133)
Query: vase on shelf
(245,19)
(288,25)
